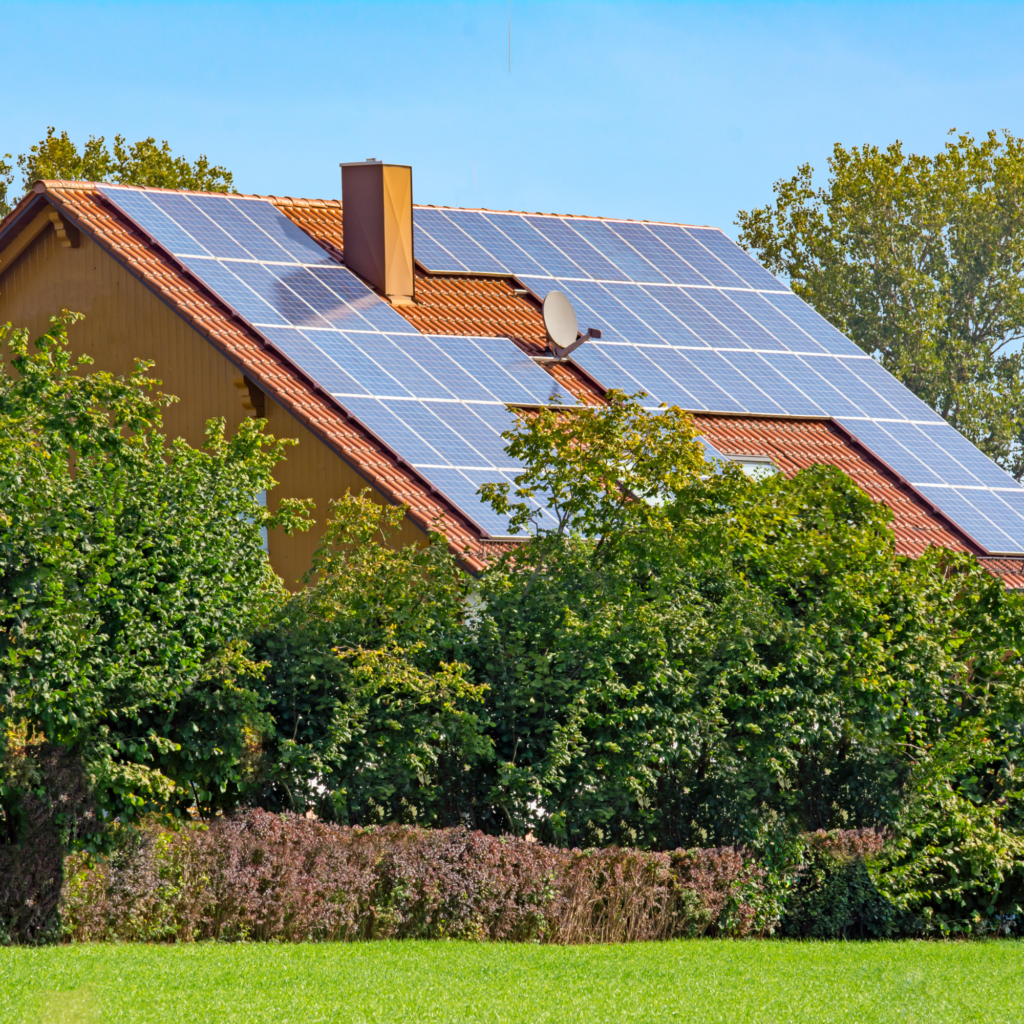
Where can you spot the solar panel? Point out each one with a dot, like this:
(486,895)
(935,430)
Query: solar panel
(632,263)
(511,257)
(685,315)
(690,318)
(438,402)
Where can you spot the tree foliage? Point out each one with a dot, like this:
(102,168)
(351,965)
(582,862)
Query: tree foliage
(727,661)
(6,180)
(919,260)
(138,163)
(372,723)
(131,573)
(678,655)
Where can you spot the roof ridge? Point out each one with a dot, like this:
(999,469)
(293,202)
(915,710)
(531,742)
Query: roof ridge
(562,216)
(337,203)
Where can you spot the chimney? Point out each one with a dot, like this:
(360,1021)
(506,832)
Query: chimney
(376,215)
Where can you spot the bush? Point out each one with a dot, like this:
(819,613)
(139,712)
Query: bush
(833,895)
(53,809)
(284,877)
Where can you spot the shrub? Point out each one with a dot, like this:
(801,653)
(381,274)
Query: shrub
(51,810)
(284,877)
(833,895)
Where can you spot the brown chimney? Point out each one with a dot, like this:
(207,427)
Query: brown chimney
(376,215)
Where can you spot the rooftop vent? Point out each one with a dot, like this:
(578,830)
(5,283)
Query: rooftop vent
(376,216)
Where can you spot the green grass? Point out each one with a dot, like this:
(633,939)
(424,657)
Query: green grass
(705,981)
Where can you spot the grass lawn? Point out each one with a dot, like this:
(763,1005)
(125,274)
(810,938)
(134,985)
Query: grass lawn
(704,981)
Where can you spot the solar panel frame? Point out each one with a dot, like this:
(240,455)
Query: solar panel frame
(668,327)
(785,394)
(458,244)
(498,244)
(707,394)
(683,304)
(739,262)
(641,365)
(734,382)
(418,417)
(431,254)
(675,269)
(512,361)
(446,369)
(886,447)
(624,322)
(737,320)
(784,330)
(461,490)
(194,222)
(959,448)
(687,248)
(155,222)
(838,372)
(233,290)
(377,417)
(963,512)
(292,239)
(990,504)
(269,287)
(465,421)
(305,353)
(812,323)
(598,359)
(249,235)
(350,352)
(724,336)
(574,246)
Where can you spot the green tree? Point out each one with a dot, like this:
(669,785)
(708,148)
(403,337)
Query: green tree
(678,655)
(729,660)
(140,163)
(918,259)
(372,723)
(131,573)
(6,180)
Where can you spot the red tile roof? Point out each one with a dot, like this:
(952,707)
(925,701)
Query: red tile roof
(87,209)
(488,306)
(1009,570)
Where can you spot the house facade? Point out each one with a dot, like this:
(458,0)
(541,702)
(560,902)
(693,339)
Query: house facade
(391,340)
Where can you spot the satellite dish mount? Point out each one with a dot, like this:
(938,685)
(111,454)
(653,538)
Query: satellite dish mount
(562,327)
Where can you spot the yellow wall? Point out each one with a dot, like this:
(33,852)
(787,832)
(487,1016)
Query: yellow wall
(124,320)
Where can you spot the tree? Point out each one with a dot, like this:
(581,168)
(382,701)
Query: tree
(141,163)
(131,573)
(6,180)
(920,260)
(736,661)
(371,722)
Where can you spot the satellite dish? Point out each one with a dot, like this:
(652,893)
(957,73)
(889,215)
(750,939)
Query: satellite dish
(561,325)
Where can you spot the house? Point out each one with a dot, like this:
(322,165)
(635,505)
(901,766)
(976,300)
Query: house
(391,339)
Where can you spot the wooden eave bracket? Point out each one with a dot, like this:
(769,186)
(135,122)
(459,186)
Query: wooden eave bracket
(67,233)
(254,401)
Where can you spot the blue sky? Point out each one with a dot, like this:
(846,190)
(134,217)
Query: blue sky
(668,111)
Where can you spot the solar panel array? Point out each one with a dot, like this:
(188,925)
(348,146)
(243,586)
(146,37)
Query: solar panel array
(693,320)
(439,402)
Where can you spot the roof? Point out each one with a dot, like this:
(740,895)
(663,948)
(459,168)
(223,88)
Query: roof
(85,207)
(467,304)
